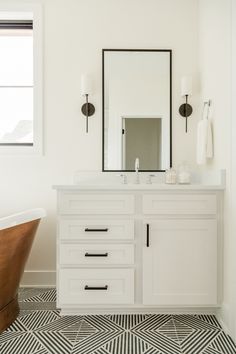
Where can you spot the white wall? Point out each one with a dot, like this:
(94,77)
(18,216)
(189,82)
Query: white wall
(216,73)
(75,31)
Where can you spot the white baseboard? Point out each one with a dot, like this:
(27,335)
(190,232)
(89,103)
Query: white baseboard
(70,311)
(39,278)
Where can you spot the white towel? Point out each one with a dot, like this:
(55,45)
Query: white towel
(204,141)
(209,148)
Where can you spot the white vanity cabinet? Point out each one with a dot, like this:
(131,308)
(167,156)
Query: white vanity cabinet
(138,248)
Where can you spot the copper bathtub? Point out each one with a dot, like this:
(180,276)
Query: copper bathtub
(16,237)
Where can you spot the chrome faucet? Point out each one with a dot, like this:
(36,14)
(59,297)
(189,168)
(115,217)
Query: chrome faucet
(137,170)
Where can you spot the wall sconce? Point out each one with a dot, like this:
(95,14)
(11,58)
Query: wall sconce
(185,110)
(87,109)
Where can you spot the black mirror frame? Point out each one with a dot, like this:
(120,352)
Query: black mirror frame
(103,103)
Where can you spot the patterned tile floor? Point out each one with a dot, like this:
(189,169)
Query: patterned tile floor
(40,330)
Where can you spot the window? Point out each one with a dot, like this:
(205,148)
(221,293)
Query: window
(20,82)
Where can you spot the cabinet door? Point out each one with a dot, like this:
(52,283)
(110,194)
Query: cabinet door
(180,262)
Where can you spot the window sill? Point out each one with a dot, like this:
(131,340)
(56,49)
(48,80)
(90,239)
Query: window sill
(20,150)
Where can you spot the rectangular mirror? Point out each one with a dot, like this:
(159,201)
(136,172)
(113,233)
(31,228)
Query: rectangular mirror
(136,109)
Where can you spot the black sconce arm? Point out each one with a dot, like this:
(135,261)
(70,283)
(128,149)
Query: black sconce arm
(185,110)
(88,110)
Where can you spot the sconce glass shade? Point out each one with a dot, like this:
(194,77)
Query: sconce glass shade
(186,86)
(86,85)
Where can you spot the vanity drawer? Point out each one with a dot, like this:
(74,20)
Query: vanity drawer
(96,254)
(179,204)
(79,203)
(96,286)
(102,229)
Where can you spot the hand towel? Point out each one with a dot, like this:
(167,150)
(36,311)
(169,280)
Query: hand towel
(209,148)
(204,141)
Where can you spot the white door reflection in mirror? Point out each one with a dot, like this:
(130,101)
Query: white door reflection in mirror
(141,137)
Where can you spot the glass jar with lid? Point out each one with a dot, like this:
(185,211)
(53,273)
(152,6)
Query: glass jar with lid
(171,176)
(184,174)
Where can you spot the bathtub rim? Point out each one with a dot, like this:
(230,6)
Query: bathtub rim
(21,218)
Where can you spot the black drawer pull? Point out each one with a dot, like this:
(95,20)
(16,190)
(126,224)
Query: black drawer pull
(96,287)
(95,230)
(147,242)
(96,254)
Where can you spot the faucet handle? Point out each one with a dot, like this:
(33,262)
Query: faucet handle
(124,178)
(149,178)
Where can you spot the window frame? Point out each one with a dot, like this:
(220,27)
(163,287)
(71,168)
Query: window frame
(18,9)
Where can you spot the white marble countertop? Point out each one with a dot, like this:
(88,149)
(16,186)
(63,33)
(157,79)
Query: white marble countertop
(94,180)
(153,186)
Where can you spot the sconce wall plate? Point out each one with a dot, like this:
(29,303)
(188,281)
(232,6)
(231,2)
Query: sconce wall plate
(88,109)
(185,110)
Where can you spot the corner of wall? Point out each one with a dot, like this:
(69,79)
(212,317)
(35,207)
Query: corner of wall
(223,316)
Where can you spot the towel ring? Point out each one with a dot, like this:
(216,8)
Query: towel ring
(208,104)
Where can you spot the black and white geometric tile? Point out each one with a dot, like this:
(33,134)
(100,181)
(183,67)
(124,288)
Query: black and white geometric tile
(40,329)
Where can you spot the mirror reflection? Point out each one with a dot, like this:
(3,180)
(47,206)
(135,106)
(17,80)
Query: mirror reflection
(136,109)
